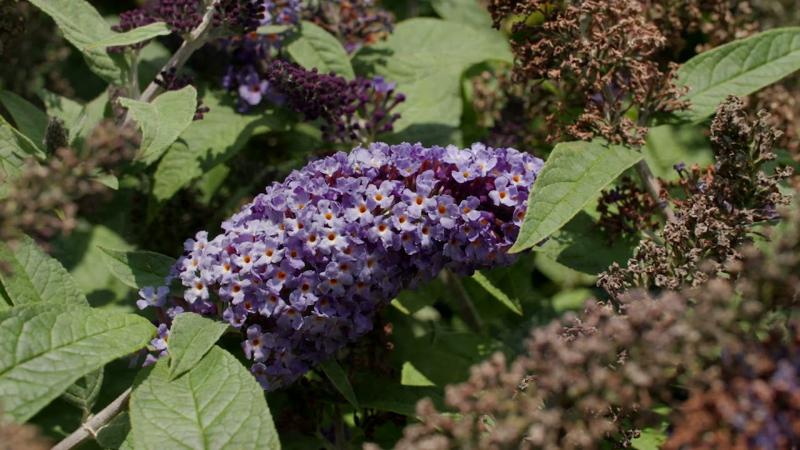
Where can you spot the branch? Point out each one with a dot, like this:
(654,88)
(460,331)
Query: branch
(654,188)
(196,39)
(90,428)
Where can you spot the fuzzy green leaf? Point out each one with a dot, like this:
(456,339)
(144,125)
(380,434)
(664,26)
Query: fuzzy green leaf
(338,377)
(83,26)
(31,121)
(428,58)
(313,47)
(208,142)
(162,121)
(134,36)
(83,393)
(572,176)
(216,405)
(739,68)
(469,12)
(138,269)
(32,276)
(190,338)
(45,348)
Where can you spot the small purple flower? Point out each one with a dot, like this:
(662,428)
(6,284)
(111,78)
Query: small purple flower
(152,297)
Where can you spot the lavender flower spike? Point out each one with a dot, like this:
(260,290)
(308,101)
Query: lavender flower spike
(303,269)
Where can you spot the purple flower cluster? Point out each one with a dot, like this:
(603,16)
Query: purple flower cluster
(252,52)
(352,111)
(305,266)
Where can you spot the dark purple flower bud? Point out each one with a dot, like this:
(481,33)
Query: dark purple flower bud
(305,266)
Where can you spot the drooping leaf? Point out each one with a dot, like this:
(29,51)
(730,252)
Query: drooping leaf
(138,269)
(497,293)
(31,121)
(314,47)
(83,26)
(572,176)
(207,143)
(339,378)
(32,276)
(162,121)
(134,36)
(45,348)
(738,68)
(216,405)
(426,58)
(190,338)
(469,12)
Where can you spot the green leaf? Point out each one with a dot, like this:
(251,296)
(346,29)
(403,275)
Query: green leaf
(572,176)
(207,143)
(115,433)
(386,395)
(190,338)
(162,121)
(469,12)
(32,276)
(668,145)
(411,376)
(651,438)
(45,348)
(134,36)
(83,393)
(738,68)
(81,255)
(495,292)
(31,122)
(338,377)
(13,151)
(83,26)
(217,405)
(138,269)
(428,58)
(582,246)
(79,119)
(314,47)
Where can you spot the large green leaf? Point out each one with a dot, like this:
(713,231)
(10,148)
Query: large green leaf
(45,348)
(572,176)
(191,337)
(30,121)
(207,143)
(334,371)
(138,269)
(83,27)
(426,57)
(216,405)
(739,68)
(134,36)
(162,121)
(29,275)
(469,12)
(313,47)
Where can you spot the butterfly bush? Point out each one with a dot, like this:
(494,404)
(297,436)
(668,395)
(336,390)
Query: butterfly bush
(304,267)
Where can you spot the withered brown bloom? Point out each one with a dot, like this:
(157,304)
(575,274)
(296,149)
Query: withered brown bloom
(602,57)
(45,199)
(718,213)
